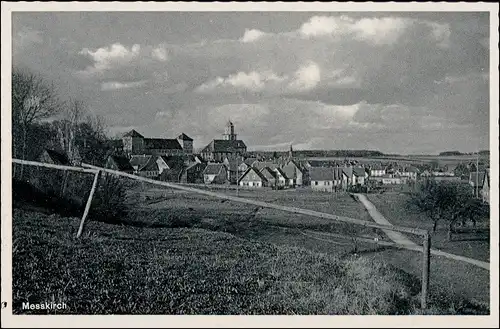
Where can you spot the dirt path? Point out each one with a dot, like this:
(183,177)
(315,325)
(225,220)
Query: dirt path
(402,239)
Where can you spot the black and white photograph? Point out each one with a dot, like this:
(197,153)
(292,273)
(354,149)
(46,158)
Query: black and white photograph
(235,160)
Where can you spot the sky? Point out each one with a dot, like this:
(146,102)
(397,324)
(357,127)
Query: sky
(397,82)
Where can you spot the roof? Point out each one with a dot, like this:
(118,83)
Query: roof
(222,145)
(348,171)
(377,166)
(412,169)
(173,161)
(122,162)
(322,163)
(261,176)
(139,160)
(282,173)
(213,168)
(262,164)
(151,165)
(58,157)
(184,137)
(479,177)
(162,143)
(359,171)
(249,161)
(321,174)
(268,173)
(133,133)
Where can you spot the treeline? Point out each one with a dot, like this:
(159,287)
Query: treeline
(448,153)
(42,119)
(318,153)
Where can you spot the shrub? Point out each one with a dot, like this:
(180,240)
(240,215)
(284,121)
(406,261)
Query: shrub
(108,204)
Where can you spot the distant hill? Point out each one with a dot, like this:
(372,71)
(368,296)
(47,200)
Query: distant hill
(319,153)
(450,153)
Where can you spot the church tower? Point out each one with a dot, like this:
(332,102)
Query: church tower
(229,132)
(290,153)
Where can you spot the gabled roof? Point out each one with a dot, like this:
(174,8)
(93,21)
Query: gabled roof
(377,166)
(261,176)
(151,165)
(162,143)
(58,157)
(282,173)
(268,173)
(338,172)
(184,137)
(321,174)
(249,161)
(122,163)
(262,164)
(322,163)
(173,161)
(222,145)
(139,160)
(213,168)
(133,133)
(359,171)
(348,171)
(412,169)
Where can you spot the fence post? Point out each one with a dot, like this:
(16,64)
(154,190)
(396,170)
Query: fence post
(89,202)
(425,269)
(65,181)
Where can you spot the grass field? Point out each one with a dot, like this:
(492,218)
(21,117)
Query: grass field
(392,206)
(124,269)
(185,253)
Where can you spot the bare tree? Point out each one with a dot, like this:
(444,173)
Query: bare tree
(33,99)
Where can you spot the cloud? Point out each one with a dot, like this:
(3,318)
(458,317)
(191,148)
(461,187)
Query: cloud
(115,59)
(116,85)
(306,77)
(251,81)
(252,35)
(385,30)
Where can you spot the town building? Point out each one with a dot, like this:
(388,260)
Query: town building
(328,179)
(54,157)
(134,143)
(253,178)
(119,163)
(186,143)
(215,173)
(228,146)
(193,174)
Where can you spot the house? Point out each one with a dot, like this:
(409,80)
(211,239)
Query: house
(281,178)
(393,180)
(54,157)
(218,149)
(262,164)
(170,168)
(186,143)
(409,172)
(480,183)
(193,174)
(232,167)
(138,161)
(377,170)
(215,173)
(119,163)
(253,178)
(321,179)
(295,172)
(485,191)
(135,143)
(150,169)
(359,176)
(270,176)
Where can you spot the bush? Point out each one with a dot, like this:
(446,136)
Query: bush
(108,204)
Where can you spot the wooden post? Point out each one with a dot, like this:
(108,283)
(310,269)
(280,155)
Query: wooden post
(426,269)
(64,183)
(89,202)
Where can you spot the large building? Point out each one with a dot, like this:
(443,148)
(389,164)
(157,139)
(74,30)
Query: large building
(134,143)
(229,146)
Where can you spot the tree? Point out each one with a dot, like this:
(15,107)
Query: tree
(445,201)
(33,99)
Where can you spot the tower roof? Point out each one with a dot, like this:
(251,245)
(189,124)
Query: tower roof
(184,137)
(133,133)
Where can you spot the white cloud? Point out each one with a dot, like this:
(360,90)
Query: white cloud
(116,85)
(440,32)
(118,56)
(160,53)
(385,30)
(252,35)
(252,81)
(306,77)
